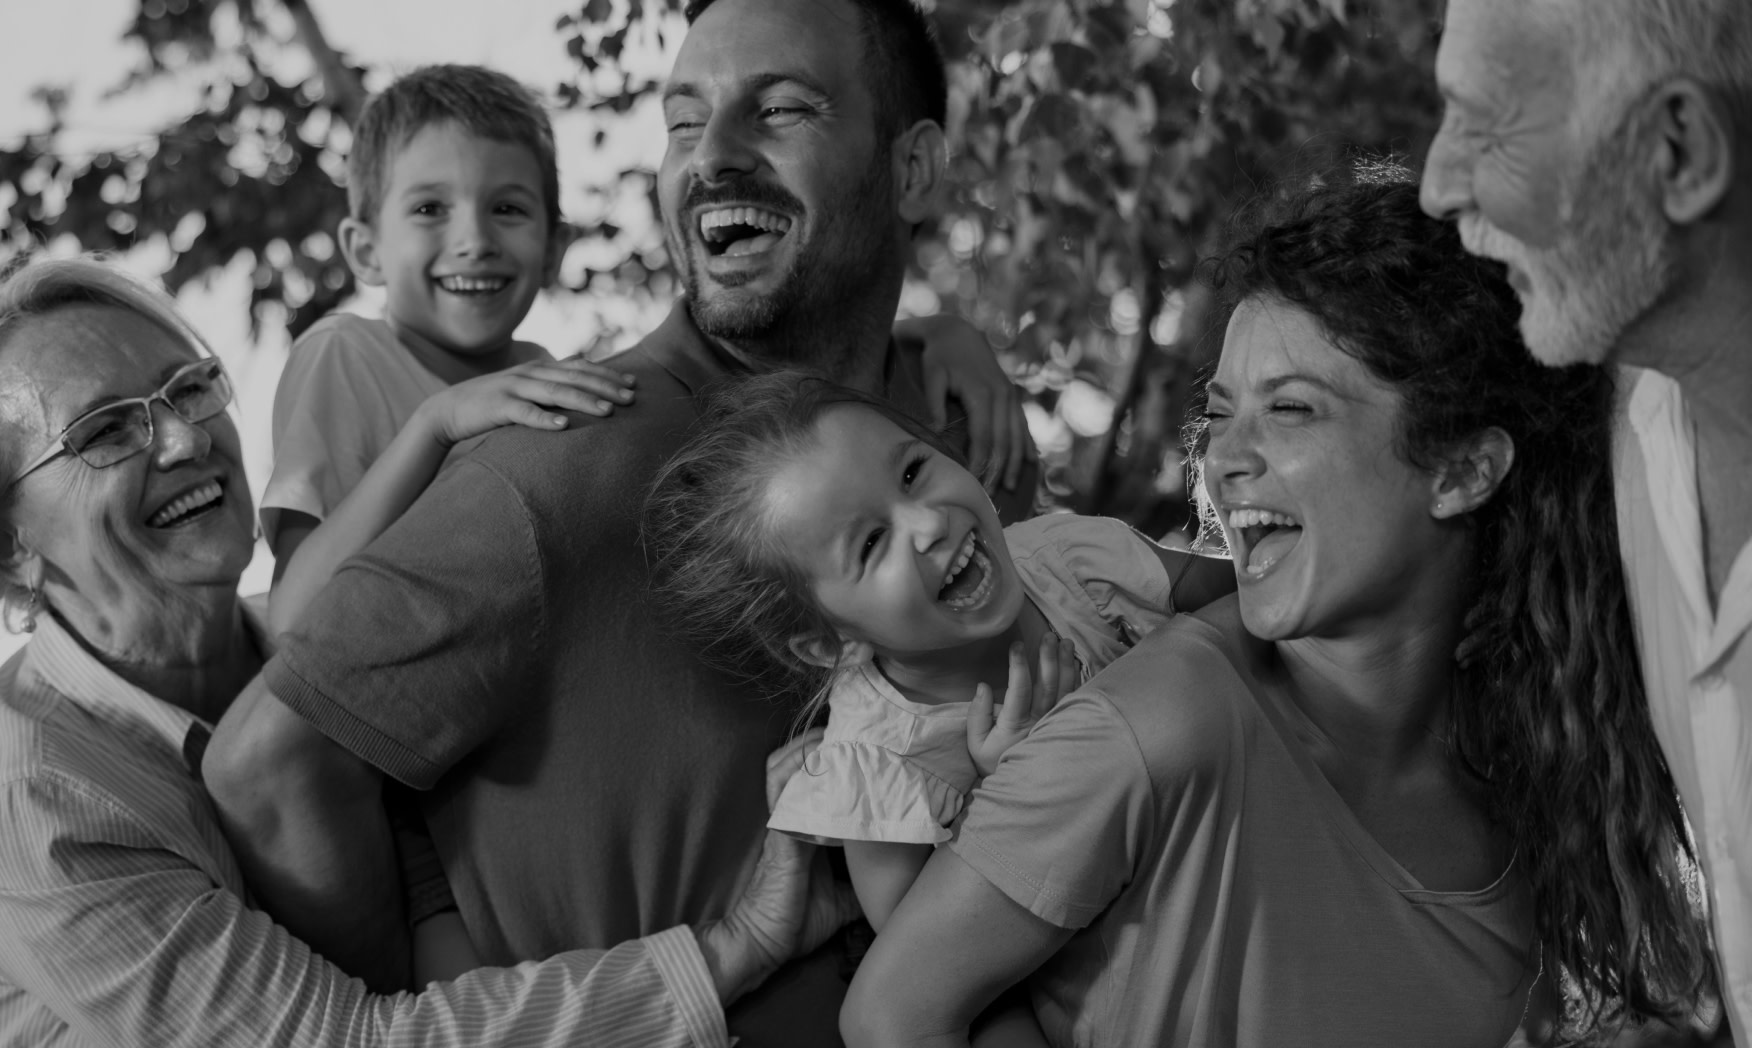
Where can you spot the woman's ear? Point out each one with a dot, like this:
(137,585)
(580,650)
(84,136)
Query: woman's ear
(830,654)
(1472,474)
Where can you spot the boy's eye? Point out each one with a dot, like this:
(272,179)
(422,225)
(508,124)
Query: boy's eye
(428,208)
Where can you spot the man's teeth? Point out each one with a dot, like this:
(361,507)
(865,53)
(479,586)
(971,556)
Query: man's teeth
(1259,518)
(472,285)
(716,223)
(183,505)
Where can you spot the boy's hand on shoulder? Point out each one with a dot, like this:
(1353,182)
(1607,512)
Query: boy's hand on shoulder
(1027,698)
(958,361)
(524,396)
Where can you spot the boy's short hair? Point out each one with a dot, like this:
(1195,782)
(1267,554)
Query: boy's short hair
(483,102)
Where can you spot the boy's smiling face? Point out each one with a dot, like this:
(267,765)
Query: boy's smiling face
(462,242)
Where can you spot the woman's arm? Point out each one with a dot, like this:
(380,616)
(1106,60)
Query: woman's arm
(1197,579)
(950,949)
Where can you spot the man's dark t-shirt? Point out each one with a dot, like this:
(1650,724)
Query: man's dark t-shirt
(590,781)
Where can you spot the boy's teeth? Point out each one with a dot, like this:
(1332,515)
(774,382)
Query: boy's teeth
(466,285)
(1257,518)
(186,504)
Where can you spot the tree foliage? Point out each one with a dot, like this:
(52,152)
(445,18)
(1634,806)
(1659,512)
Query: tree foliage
(1098,148)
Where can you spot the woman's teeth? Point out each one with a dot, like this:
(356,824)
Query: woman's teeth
(970,579)
(185,504)
(1266,537)
(1257,518)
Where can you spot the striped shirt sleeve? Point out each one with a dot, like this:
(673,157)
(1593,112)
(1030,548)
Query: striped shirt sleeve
(127,941)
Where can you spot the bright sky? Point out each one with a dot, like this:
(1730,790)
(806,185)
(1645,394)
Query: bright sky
(78,44)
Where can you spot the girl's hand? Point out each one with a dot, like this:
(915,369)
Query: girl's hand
(783,762)
(958,361)
(519,395)
(1026,700)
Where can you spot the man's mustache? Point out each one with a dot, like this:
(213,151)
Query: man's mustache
(746,191)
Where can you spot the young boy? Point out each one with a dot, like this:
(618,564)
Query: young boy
(454,198)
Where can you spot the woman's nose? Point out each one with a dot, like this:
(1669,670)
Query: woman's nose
(1232,449)
(176,440)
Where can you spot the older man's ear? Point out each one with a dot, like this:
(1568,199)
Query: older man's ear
(1695,137)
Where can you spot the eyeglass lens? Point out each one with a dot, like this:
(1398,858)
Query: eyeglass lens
(110,434)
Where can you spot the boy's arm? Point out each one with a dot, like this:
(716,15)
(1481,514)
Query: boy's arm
(307,552)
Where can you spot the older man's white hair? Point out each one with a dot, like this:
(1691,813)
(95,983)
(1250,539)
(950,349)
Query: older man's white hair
(1626,47)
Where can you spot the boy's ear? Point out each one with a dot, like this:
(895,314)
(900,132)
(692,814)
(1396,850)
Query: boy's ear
(821,651)
(564,235)
(921,168)
(1472,474)
(359,248)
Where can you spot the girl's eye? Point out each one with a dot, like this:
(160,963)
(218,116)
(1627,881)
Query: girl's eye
(912,471)
(870,545)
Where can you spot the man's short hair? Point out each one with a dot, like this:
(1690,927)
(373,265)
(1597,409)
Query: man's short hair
(1628,46)
(482,102)
(903,66)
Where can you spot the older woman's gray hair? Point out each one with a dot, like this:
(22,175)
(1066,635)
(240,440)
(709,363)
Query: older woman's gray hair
(32,288)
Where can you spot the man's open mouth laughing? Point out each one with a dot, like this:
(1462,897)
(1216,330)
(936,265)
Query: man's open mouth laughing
(733,232)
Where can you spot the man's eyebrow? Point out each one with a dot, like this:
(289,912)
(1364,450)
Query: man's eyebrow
(758,82)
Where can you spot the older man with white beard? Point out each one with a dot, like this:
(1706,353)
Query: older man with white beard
(1603,150)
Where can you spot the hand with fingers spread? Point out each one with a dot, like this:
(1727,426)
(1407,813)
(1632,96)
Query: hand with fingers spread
(524,395)
(959,362)
(1026,700)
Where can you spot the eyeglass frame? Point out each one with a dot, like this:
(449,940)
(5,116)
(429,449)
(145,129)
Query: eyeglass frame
(61,447)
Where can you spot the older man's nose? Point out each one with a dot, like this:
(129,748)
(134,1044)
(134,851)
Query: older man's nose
(1446,190)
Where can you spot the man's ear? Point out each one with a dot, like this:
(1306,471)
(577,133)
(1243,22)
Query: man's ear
(1696,138)
(921,167)
(359,248)
(564,235)
(1472,474)
(817,650)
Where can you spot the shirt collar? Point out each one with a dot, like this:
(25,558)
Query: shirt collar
(697,362)
(57,660)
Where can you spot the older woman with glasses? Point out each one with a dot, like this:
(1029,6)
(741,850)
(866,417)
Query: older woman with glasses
(125,523)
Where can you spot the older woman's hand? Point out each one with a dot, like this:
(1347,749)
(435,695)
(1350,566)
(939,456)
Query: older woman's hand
(790,907)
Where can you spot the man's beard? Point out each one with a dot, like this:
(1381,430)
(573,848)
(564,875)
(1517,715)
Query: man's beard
(1612,260)
(808,317)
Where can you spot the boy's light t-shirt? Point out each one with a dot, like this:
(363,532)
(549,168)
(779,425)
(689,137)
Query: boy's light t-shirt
(890,769)
(349,387)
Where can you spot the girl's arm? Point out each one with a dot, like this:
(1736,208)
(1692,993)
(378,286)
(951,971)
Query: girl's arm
(949,950)
(1197,579)
(306,552)
(882,872)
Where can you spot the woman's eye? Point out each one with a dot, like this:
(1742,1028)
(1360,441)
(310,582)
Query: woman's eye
(1294,407)
(512,209)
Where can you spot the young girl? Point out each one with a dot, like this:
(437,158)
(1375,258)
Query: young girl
(823,543)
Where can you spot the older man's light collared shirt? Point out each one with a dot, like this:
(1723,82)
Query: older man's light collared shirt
(123,918)
(1696,658)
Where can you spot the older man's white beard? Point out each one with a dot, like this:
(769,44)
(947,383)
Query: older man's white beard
(1610,264)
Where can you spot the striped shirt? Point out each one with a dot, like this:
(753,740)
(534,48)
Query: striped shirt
(123,918)
(1697,661)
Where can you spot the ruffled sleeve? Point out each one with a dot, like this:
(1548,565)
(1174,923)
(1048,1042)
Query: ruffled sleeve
(865,792)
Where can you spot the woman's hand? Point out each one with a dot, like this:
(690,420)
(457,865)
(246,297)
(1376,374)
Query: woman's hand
(959,362)
(791,905)
(522,395)
(1026,700)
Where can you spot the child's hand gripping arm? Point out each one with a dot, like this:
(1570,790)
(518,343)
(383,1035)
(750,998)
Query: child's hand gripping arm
(1026,700)
(957,360)
(307,552)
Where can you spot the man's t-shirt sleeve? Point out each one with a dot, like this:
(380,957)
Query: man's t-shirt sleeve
(422,646)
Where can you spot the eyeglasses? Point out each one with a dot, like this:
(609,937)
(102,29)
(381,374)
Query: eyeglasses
(106,435)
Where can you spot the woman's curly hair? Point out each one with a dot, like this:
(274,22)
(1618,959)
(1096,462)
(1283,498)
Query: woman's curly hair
(1548,706)
(723,579)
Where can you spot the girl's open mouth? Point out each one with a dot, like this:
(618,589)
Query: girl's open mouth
(970,579)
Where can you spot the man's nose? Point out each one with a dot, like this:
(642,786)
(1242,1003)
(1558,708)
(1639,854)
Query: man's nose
(1446,190)
(725,148)
(176,440)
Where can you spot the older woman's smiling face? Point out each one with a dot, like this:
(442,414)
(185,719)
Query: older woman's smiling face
(114,537)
